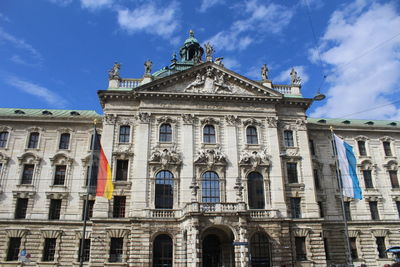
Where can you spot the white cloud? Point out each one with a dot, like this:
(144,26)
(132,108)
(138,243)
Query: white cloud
(151,19)
(19,60)
(21,44)
(259,20)
(4,17)
(95,4)
(231,63)
(284,76)
(365,67)
(206,4)
(37,90)
(61,2)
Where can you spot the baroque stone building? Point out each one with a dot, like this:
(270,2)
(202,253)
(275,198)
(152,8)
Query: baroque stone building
(210,168)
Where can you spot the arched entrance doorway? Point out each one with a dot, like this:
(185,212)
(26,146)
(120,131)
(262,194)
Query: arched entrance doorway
(217,247)
(260,250)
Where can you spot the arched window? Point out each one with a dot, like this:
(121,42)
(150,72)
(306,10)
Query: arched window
(164,190)
(251,134)
(209,134)
(165,132)
(288,138)
(162,251)
(64,141)
(260,250)
(255,187)
(3,139)
(210,187)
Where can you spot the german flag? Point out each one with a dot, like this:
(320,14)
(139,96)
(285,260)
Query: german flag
(101,171)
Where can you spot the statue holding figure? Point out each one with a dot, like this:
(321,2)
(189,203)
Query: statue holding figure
(264,72)
(209,51)
(113,73)
(294,77)
(147,67)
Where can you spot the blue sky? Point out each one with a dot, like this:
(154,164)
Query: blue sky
(56,53)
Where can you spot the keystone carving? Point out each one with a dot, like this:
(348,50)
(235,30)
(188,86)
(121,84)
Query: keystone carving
(188,118)
(254,158)
(252,121)
(166,157)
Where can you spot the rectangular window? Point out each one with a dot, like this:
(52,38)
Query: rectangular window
(353,248)
(368,179)
(361,148)
(64,141)
(122,170)
(20,208)
(86,250)
(398,207)
(347,211)
(380,244)
(386,148)
(301,252)
(13,248)
(116,249)
(292,172)
(119,207)
(373,207)
(55,209)
(312,147)
(295,207)
(3,139)
(59,176)
(316,180)
(33,140)
(124,133)
(90,209)
(288,138)
(27,174)
(321,209)
(394,179)
(49,249)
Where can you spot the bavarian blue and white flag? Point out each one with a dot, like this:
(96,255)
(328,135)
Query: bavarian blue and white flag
(347,167)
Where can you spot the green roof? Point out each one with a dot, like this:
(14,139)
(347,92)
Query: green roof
(355,123)
(51,113)
(191,39)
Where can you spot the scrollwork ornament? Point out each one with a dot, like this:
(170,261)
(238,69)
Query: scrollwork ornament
(232,120)
(144,117)
(166,157)
(252,121)
(110,119)
(188,118)
(301,124)
(272,122)
(210,157)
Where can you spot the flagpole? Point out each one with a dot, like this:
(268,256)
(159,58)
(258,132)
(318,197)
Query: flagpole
(349,260)
(86,207)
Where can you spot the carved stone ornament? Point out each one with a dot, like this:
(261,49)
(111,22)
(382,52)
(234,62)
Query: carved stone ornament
(210,157)
(209,51)
(113,73)
(57,195)
(218,61)
(147,67)
(391,165)
(144,117)
(301,232)
(188,118)
(123,151)
(211,82)
(252,121)
(272,122)
(166,119)
(254,158)
(209,120)
(264,72)
(291,152)
(232,120)
(125,120)
(4,158)
(301,124)
(62,159)
(29,158)
(296,80)
(24,194)
(109,119)
(380,232)
(166,157)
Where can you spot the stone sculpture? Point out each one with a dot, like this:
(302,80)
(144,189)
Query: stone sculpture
(264,72)
(147,67)
(113,73)
(294,77)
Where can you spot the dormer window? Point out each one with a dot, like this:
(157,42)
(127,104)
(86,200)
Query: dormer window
(346,122)
(46,112)
(18,111)
(74,113)
(393,123)
(322,121)
(369,123)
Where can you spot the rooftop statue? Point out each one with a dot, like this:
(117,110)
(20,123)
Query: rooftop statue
(264,72)
(209,51)
(113,73)
(147,67)
(218,61)
(294,77)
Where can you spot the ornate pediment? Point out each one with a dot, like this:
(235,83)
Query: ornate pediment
(210,157)
(254,158)
(208,78)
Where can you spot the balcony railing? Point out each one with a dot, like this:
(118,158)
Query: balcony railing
(218,207)
(129,83)
(283,89)
(264,214)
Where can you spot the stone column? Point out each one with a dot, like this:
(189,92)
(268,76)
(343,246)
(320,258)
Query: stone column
(231,150)
(276,176)
(242,251)
(193,247)
(187,173)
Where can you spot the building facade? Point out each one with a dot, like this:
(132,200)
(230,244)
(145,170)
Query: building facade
(209,169)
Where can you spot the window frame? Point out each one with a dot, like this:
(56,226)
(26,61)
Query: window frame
(374,210)
(13,255)
(165,133)
(4,136)
(163,199)
(288,138)
(380,242)
(59,178)
(252,137)
(162,245)
(116,246)
(362,148)
(347,210)
(256,198)
(33,144)
(368,182)
(86,250)
(207,192)
(27,177)
(292,173)
(64,144)
(49,249)
(124,134)
(121,174)
(21,208)
(119,207)
(353,248)
(55,209)
(260,248)
(301,248)
(295,207)
(387,148)
(394,179)
(207,136)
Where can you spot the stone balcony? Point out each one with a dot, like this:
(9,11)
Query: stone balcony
(214,209)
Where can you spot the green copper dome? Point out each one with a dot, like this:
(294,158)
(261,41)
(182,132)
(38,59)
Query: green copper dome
(191,39)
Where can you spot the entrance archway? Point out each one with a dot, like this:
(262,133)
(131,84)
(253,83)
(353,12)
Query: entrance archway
(260,250)
(217,247)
